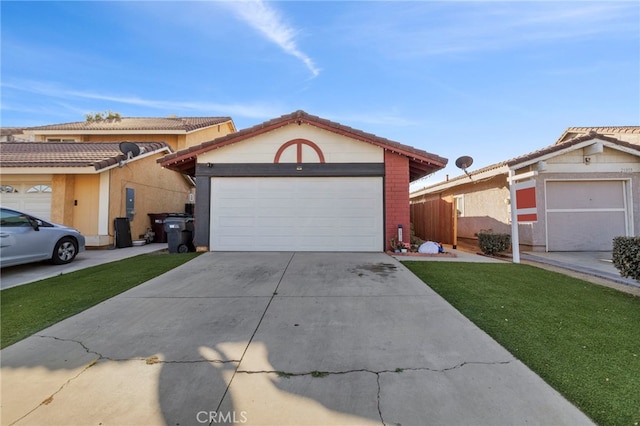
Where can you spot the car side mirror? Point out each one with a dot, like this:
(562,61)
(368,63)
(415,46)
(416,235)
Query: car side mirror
(35,224)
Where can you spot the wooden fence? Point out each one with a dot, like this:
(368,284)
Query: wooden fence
(433,220)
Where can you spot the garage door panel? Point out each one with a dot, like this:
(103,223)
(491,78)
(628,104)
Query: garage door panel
(297,214)
(584,231)
(585,215)
(585,194)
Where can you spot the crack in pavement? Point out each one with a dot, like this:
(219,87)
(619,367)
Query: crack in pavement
(49,399)
(100,357)
(319,374)
(149,360)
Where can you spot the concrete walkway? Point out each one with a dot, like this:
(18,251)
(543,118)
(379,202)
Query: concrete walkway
(595,263)
(274,339)
(24,274)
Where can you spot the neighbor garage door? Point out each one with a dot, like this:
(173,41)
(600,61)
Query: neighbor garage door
(32,198)
(297,214)
(585,215)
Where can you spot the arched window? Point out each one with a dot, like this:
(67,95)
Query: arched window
(7,189)
(39,188)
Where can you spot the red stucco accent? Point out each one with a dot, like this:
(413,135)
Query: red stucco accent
(298,143)
(396,194)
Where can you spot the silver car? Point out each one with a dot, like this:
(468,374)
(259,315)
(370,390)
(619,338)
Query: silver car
(24,239)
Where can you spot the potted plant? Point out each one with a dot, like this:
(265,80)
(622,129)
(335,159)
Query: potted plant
(398,246)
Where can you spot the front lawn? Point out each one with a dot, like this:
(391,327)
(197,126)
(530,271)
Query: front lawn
(29,308)
(582,339)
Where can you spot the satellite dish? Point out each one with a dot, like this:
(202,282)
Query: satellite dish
(464,162)
(129,149)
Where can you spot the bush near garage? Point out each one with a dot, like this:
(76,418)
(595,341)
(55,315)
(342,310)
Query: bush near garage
(626,256)
(491,243)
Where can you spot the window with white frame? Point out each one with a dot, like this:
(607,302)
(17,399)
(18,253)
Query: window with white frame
(459,199)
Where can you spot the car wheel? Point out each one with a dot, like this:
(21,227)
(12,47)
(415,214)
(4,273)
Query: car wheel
(65,251)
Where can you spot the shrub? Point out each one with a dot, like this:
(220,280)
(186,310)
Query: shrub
(626,256)
(491,243)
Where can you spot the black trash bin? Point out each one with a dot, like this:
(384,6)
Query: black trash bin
(179,230)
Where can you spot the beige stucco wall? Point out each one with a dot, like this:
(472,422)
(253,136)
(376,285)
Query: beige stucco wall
(205,135)
(262,148)
(485,206)
(157,190)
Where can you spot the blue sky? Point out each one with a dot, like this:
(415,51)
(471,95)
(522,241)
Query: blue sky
(492,80)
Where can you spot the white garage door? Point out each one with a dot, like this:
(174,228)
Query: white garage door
(585,215)
(297,214)
(32,198)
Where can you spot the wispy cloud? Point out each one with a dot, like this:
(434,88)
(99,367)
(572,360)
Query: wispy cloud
(249,110)
(266,20)
(414,29)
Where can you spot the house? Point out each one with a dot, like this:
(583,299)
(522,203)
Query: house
(178,132)
(583,191)
(75,173)
(301,183)
(13,134)
(88,185)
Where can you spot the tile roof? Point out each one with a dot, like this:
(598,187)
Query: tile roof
(68,154)
(186,124)
(627,133)
(421,163)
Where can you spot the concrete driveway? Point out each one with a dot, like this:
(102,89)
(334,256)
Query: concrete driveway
(274,339)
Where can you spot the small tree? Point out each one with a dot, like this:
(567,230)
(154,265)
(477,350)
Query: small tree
(103,116)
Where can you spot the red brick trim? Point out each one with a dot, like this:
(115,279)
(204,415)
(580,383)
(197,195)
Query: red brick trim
(396,190)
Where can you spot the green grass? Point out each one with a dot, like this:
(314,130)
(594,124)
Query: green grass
(582,339)
(29,308)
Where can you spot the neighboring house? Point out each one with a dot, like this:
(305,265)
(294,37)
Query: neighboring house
(586,193)
(301,183)
(72,174)
(14,134)
(88,185)
(178,132)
